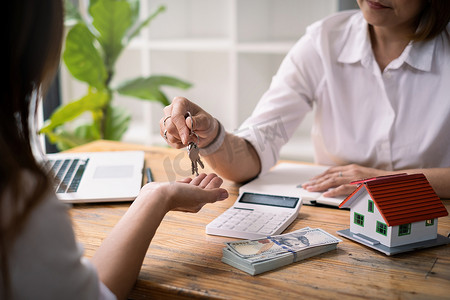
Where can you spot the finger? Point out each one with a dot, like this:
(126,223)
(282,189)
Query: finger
(221,194)
(180,106)
(197,180)
(325,184)
(170,139)
(331,176)
(214,183)
(185,180)
(329,171)
(216,194)
(201,122)
(342,190)
(207,180)
(167,130)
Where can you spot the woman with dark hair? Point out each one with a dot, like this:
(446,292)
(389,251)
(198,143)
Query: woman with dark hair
(39,256)
(377,81)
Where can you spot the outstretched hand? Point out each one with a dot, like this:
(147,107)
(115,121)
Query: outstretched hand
(336,180)
(188,195)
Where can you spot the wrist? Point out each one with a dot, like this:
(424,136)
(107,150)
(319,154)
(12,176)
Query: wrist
(215,143)
(154,196)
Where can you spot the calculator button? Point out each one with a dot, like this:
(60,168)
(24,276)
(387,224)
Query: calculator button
(246,222)
(228,226)
(269,215)
(269,227)
(244,213)
(254,228)
(233,222)
(241,227)
(265,231)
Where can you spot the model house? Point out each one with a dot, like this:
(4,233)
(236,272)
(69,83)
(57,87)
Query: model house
(394,213)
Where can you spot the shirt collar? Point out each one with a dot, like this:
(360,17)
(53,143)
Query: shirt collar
(357,47)
(356,42)
(421,55)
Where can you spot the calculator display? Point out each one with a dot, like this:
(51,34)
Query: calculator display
(271,200)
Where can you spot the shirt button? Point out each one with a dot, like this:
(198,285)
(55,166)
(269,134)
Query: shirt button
(387,75)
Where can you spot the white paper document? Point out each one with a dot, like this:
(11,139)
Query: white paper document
(291,176)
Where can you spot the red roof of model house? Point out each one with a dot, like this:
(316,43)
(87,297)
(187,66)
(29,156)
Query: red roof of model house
(401,199)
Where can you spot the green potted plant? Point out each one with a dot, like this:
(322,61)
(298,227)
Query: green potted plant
(92,47)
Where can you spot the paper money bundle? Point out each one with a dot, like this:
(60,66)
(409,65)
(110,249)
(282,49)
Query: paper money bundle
(261,255)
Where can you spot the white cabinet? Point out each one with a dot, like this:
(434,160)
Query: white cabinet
(228,49)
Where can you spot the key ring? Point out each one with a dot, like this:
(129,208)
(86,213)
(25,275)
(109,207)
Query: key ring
(192,127)
(192,121)
(198,138)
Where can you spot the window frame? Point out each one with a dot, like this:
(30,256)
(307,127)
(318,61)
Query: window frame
(429,224)
(370,206)
(383,226)
(358,218)
(408,232)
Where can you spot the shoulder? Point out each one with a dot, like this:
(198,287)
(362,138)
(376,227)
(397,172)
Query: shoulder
(325,39)
(338,22)
(45,257)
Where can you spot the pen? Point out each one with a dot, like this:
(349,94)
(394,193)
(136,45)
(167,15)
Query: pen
(149,175)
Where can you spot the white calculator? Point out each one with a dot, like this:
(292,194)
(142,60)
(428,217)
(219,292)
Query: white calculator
(255,215)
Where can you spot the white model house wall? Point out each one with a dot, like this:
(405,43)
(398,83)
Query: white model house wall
(419,230)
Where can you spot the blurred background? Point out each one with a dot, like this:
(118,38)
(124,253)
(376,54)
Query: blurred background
(227,49)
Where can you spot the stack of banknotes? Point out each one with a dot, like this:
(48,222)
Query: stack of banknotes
(261,255)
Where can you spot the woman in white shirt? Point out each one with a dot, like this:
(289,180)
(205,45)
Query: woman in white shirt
(378,79)
(39,256)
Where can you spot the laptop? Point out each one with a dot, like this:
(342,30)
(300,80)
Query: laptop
(97,176)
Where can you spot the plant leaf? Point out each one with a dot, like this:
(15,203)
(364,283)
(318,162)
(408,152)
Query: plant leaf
(71,14)
(135,6)
(145,22)
(92,3)
(112,19)
(148,88)
(90,102)
(82,58)
(65,140)
(86,133)
(117,122)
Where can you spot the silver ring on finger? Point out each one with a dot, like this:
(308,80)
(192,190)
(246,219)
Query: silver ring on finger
(165,134)
(165,119)
(340,174)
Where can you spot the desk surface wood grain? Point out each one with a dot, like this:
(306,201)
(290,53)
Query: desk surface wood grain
(184,262)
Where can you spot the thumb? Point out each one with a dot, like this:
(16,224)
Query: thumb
(217,194)
(205,126)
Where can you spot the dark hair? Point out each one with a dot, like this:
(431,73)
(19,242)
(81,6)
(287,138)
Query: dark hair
(434,18)
(34,37)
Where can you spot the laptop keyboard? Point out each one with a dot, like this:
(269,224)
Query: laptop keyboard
(68,174)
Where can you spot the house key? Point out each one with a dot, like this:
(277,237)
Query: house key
(193,151)
(194,157)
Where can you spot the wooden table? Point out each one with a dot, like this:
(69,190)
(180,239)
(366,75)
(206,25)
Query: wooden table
(184,262)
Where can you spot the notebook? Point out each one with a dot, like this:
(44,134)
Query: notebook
(290,176)
(97,176)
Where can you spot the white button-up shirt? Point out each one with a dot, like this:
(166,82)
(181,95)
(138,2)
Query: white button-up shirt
(395,119)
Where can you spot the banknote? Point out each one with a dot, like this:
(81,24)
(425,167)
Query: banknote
(262,255)
(274,245)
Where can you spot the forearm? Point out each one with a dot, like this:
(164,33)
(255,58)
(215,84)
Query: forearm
(235,160)
(120,256)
